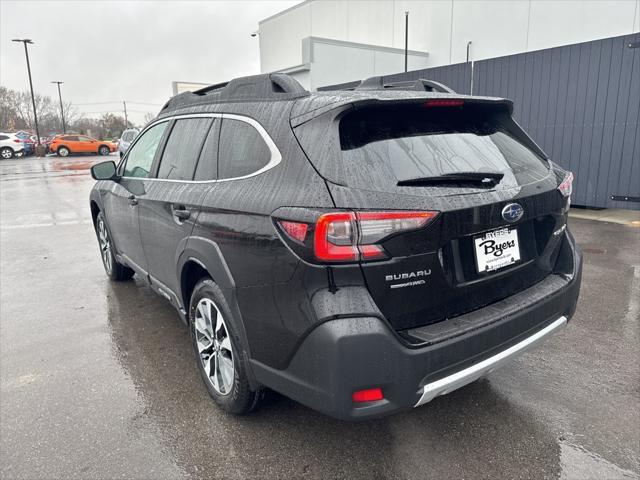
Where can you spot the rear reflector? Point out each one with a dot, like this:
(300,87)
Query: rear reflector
(369,395)
(443,102)
(296,230)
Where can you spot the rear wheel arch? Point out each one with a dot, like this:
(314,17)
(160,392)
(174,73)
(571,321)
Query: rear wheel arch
(203,259)
(192,272)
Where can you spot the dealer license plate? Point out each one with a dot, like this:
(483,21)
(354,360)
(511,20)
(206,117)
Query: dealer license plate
(497,249)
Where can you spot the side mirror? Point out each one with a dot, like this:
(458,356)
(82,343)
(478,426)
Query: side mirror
(104,171)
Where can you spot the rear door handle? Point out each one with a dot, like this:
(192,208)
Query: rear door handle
(133,200)
(181,213)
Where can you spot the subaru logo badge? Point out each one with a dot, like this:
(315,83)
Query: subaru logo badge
(512,212)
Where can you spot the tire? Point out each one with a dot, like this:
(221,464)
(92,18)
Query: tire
(114,269)
(103,150)
(63,152)
(6,153)
(211,318)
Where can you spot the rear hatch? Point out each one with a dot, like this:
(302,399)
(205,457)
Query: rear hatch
(495,194)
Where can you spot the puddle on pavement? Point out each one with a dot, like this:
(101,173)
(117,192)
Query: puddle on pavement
(578,463)
(594,251)
(63,166)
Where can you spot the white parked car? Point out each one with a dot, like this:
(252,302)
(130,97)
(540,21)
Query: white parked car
(126,138)
(10,146)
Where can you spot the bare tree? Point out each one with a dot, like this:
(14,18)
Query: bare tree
(16,112)
(148,117)
(8,114)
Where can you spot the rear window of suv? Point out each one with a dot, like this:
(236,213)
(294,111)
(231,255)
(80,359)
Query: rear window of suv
(384,145)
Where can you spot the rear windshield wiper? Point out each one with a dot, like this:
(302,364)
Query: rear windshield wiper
(482,179)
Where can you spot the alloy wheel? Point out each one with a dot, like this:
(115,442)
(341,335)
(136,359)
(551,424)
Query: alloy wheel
(105,247)
(6,153)
(214,346)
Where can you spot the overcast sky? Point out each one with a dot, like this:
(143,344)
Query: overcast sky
(117,50)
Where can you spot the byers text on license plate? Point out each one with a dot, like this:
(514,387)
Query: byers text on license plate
(497,249)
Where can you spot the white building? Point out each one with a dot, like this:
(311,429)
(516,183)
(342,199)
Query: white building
(323,42)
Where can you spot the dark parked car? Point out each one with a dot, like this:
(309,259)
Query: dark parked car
(358,251)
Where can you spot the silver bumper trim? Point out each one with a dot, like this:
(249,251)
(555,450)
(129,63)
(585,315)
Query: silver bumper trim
(469,374)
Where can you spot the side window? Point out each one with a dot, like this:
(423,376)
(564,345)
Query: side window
(70,138)
(141,155)
(84,139)
(208,162)
(242,150)
(183,148)
(3,137)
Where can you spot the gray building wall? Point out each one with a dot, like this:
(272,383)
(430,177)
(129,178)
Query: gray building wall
(580,103)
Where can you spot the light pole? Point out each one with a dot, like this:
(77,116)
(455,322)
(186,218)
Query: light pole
(406,41)
(64,127)
(25,41)
(469,58)
(126,119)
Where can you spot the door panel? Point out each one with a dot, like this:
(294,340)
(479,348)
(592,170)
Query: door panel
(121,212)
(171,204)
(168,211)
(121,199)
(74,146)
(87,145)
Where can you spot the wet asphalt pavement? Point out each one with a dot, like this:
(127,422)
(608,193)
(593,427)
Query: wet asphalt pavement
(98,379)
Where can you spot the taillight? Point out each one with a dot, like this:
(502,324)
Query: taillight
(353,236)
(17,141)
(566,187)
(335,237)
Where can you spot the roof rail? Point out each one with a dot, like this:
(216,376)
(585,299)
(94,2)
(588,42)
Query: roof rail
(272,86)
(422,85)
(210,88)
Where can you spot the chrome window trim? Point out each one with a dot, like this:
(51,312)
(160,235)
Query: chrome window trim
(274,161)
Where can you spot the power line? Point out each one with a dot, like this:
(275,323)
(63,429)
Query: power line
(118,101)
(152,104)
(118,110)
(96,103)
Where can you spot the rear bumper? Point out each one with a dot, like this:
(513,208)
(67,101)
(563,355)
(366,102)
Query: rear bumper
(344,355)
(473,372)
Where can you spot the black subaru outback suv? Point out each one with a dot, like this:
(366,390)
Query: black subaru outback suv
(360,251)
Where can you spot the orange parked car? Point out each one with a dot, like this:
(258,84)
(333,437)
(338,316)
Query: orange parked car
(63,145)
